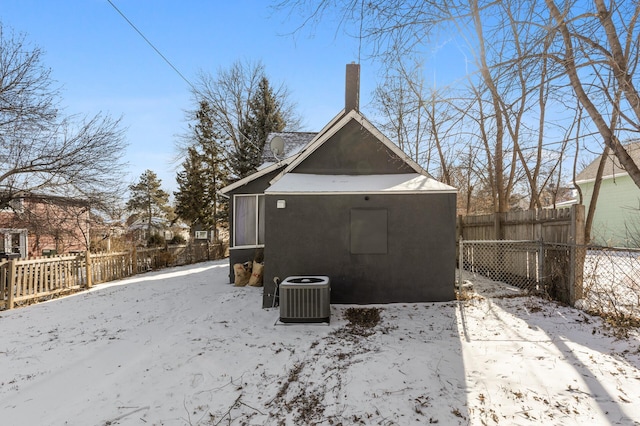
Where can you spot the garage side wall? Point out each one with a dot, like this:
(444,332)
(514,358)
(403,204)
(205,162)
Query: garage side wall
(413,260)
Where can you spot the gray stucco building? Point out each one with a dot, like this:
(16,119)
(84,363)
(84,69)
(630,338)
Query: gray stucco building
(352,206)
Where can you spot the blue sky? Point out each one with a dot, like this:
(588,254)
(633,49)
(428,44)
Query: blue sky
(103,65)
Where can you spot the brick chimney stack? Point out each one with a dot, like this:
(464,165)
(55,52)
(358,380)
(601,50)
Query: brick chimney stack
(352,88)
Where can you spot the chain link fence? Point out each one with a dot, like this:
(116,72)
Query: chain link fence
(517,263)
(611,281)
(597,279)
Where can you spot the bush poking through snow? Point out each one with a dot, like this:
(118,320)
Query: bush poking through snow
(363,317)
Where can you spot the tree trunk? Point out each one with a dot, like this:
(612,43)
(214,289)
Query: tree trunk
(618,60)
(594,196)
(498,166)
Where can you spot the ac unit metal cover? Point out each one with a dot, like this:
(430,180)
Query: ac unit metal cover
(305,299)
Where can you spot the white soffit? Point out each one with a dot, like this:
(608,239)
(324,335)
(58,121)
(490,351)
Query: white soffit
(300,183)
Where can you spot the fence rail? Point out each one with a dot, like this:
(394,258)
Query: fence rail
(26,280)
(557,225)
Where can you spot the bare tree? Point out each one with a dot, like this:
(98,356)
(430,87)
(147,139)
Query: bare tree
(495,106)
(71,159)
(420,119)
(27,96)
(526,54)
(591,40)
(598,49)
(229,94)
(41,151)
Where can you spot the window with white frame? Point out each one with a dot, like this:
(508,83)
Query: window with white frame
(248,220)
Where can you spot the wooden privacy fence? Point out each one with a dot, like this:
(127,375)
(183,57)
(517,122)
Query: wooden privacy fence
(565,226)
(25,280)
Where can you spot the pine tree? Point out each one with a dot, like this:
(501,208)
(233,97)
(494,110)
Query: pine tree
(148,199)
(264,116)
(204,173)
(188,198)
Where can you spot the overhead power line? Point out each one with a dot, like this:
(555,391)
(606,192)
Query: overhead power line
(151,44)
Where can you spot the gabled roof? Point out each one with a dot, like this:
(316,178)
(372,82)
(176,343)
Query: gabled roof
(294,142)
(419,181)
(268,168)
(334,126)
(612,167)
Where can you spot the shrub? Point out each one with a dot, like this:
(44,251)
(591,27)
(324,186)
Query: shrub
(164,259)
(178,239)
(155,240)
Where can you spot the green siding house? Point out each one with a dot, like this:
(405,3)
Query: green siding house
(617,218)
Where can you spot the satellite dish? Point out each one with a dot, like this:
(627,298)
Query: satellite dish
(277,147)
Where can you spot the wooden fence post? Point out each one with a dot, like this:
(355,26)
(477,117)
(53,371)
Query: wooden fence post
(89,271)
(134,261)
(577,254)
(459,227)
(12,282)
(497,226)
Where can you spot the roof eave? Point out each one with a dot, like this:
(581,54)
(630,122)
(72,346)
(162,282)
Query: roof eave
(588,180)
(239,183)
(409,192)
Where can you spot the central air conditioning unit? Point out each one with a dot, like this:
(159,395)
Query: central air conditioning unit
(305,299)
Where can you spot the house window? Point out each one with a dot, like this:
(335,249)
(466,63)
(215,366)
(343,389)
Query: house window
(368,231)
(248,220)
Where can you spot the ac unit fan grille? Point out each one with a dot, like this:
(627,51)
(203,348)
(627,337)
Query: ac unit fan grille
(304,304)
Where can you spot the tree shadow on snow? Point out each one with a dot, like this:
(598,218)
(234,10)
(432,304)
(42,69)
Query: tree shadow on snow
(568,344)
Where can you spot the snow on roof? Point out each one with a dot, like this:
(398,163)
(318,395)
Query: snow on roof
(387,183)
(294,142)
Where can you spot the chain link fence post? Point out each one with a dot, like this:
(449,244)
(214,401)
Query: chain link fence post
(460,263)
(540,271)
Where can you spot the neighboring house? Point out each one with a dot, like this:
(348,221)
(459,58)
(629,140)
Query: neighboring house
(106,232)
(36,225)
(142,229)
(159,226)
(350,205)
(617,218)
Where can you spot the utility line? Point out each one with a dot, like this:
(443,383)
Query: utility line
(151,44)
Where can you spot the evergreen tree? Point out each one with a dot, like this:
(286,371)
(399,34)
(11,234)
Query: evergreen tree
(237,96)
(263,117)
(148,199)
(204,173)
(190,187)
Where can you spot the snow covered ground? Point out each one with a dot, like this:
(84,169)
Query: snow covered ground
(183,347)
(612,282)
